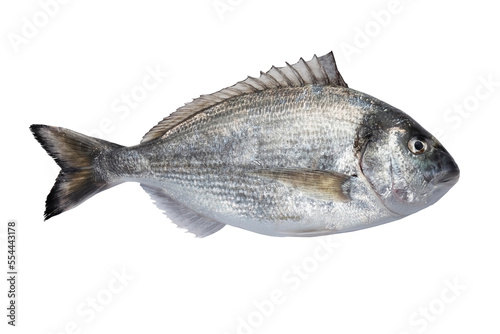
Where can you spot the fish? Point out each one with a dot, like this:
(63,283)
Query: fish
(294,152)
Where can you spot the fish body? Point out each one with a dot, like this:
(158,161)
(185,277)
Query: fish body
(292,153)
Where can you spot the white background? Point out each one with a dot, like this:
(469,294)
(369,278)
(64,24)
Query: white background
(427,58)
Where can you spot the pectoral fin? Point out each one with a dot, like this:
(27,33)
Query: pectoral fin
(319,184)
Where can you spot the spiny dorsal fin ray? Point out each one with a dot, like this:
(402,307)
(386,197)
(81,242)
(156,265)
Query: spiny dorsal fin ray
(317,71)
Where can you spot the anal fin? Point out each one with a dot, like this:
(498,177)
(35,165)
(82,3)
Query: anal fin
(181,215)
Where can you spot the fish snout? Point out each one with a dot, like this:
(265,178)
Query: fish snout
(444,172)
(447,177)
(450,177)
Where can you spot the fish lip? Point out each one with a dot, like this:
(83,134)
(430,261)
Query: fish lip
(449,172)
(448,178)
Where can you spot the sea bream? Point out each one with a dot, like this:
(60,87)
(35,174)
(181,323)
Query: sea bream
(294,152)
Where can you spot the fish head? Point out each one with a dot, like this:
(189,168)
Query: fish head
(406,166)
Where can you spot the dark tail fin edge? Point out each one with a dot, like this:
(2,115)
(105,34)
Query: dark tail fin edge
(76,154)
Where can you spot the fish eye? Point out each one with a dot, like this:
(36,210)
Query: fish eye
(417,145)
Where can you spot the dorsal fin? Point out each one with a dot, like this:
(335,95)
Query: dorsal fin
(317,71)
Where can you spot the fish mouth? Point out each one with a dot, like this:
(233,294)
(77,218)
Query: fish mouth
(442,183)
(448,178)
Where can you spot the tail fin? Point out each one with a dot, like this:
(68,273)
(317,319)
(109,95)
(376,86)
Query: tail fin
(76,154)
